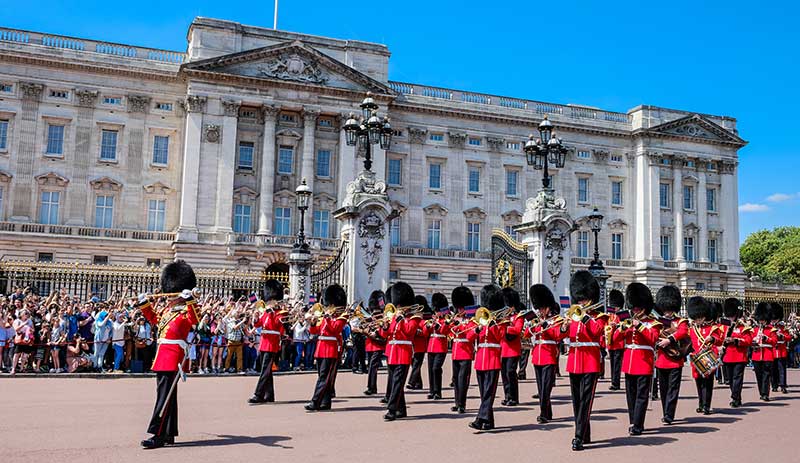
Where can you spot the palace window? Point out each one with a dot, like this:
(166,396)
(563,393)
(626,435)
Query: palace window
(616,158)
(616,193)
(616,246)
(288,117)
(474,141)
(160,150)
(325,122)
(711,200)
(509,229)
(689,164)
(6,88)
(322,220)
(242,218)
(666,161)
(283,221)
(394,232)
(112,100)
(666,247)
(584,155)
(434,276)
(162,106)
(323,163)
(664,195)
(153,262)
(108,145)
(437,137)
(48,207)
(395,176)
(55,140)
(583,190)
(434,176)
(688,248)
(156,215)
(712,250)
(513,146)
(474,180)
(434,234)
(393,275)
(473,236)
(473,277)
(45,257)
(583,244)
(246,149)
(511,183)
(3,134)
(60,94)
(104,211)
(688,197)
(99,260)
(285,159)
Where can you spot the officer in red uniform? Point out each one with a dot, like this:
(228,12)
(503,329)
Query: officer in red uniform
(375,344)
(764,340)
(399,333)
(487,358)
(738,339)
(329,331)
(780,351)
(420,344)
(638,361)
(583,361)
(511,348)
(703,333)
(463,335)
(174,323)
(615,342)
(669,370)
(436,330)
(545,336)
(272,330)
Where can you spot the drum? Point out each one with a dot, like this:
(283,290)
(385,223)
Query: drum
(706,362)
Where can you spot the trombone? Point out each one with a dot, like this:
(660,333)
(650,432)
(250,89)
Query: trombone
(196,293)
(576,312)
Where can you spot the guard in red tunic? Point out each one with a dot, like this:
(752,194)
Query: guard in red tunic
(375,344)
(329,332)
(399,333)
(511,348)
(583,361)
(174,323)
(764,340)
(463,335)
(641,335)
(615,344)
(437,329)
(420,344)
(738,339)
(675,335)
(545,336)
(704,334)
(487,358)
(780,351)
(272,330)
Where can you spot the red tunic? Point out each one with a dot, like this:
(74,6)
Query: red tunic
(782,339)
(617,337)
(640,343)
(174,324)
(437,340)
(464,341)
(545,344)
(764,340)
(698,335)
(743,339)
(488,355)
(682,332)
(420,338)
(399,335)
(513,329)
(330,336)
(271,331)
(375,344)
(584,347)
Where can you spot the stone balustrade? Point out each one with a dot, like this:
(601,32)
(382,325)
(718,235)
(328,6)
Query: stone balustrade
(253,239)
(607,262)
(438,253)
(85,232)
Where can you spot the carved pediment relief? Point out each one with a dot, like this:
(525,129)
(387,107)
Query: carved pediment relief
(691,229)
(244,194)
(157,188)
(617,224)
(106,183)
(698,127)
(325,201)
(5,177)
(512,216)
(399,207)
(475,213)
(435,209)
(289,133)
(284,198)
(51,179)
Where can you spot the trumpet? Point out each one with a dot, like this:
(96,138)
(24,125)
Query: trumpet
(196,293)
(576,312)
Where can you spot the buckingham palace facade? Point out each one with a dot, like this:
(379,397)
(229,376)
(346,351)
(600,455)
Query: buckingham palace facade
(126,155)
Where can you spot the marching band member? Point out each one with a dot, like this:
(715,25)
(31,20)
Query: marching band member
(399,332)
(375,344)
(780,351)
(511,348)
(272,330)
(738,340)
(387,349)
(545,336)
(764,339)
(487,359)
(583,361)
(669,368)
(420,345)
(704,334)
(174,323)
(437,330)
(329,331)
(463,335)
(614,339)
(637,364)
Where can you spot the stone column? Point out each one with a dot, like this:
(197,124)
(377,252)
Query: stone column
(654,229)
(677,208)
(729,213)
(702,219)
(25,202)
(642,219)
(187,228)
(267,171)
(77,194)
(132,192)
(307,165)
(299,275)
(347,163)
(226,167)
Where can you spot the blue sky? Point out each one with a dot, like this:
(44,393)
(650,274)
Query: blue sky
(732,58)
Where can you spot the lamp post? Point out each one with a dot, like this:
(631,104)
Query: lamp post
(596,267)
(303,193)
(368,130)
(545,151)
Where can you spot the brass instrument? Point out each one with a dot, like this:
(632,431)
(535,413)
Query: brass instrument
(678,350)
(576,312)
(196,293)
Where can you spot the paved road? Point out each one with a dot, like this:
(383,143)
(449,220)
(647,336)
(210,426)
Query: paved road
(64,419)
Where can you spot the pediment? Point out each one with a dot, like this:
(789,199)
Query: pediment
(435,209)
(697,127)
(245,194)
(325,201)
(157,188)
(512,216)
(52,179)
(291,62)
(5,176)
(475,213)
(617,224)
(105,183)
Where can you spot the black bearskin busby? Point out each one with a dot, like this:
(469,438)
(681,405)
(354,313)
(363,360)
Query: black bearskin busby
(668,299)
(439,302)
(334,296)
(462,297)
(583,287)
(763,312)
(401,294)
(421,300)
(492,297)
(272,291)
(732,307)
(616,299)
(697,307)
(638,296)
(511,298)
(541,297)
(177,276)
(777,311)
(376,301)
(718,310)
(388,294)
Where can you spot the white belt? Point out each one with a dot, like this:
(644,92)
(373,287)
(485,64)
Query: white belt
(435,335)
(761,346)
(276,333)
(584,344)
(544,341)
(781,342)
(638,347)
(398,341)
(177,342)
(460,340)
(328,338)
(489,345)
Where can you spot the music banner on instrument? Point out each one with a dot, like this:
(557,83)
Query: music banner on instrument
(564,302)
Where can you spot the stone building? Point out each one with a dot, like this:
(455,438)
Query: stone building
(120,154)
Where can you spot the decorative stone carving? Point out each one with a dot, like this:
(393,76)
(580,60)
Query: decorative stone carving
(371,230)
(617,224)
(364,184)
(310,116)
(5,177)
(495,143)
(105,183)
(600,154)
(31,90)
(545,200)
(86,98)
(727,167)
(157,188)
(230,108)
(555,242)
(212,133)
(475,213)
(435,209)
(292,66)
(138,103)
(194,103)
(512,216)
(269,113)
(417,134)
(51,179)
(457,139)
(691,229)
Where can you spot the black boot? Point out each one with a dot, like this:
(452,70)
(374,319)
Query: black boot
(577,444)
(153,443)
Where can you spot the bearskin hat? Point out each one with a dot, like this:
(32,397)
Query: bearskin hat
(388,294)
(668,299)
(334,296)
(616,299)
(718,310)
(583,287)
(492,297)
(777,311)
(423,301)
(697,307)
(732,307)
(439,301)
(511,298)
(376,301)
(763,312)
(272,290)
(177,276)
(401,294)
(462,297)
(637,295)
(541,297)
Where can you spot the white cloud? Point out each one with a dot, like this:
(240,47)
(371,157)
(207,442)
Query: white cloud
(780,197)
(750,207)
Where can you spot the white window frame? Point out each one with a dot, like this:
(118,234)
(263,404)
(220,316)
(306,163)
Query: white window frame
(711,250)
(48,206)
(473,236)
(616,246)
(5,124)
(515,174)
(322,217)
(244,144)
(317,165)
(284,219)
(390,173)
(158,150)
(587,191)
(690,196)
(282,151)
(582,249)
(688,248)
(47,141)
(394,232)
(242,218)
(438,177)
(666,245)
(620,193)
(666,205)
(711,200)
(156,215)
(104,146)
(434,234)
(476,170)
(104,213)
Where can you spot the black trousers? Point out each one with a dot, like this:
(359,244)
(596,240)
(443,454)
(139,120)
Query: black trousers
(415,377)
(735,374)
(508,371)
(603,355)
(435,364)
(326,377)
(524,356)
(359,352)
(265,388)
(397,395)
(582,386)
(669,382)
(462,371)
(487,385)
(372,372)
(545,381)
(705,391)
(763,372)
(616,366)
(779,373)
(168,425)
(637,391)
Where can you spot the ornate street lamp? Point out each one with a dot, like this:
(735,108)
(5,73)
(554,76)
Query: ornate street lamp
(596,224)
(545,151)
(303,193)
(369,130)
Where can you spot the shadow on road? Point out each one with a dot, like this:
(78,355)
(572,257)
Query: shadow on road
(630,441)
(681,430)
(525,427)
(224,440)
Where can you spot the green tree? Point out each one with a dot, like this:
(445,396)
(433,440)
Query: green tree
(773,254)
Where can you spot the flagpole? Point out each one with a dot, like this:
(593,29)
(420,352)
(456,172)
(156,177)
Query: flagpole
(275,21)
